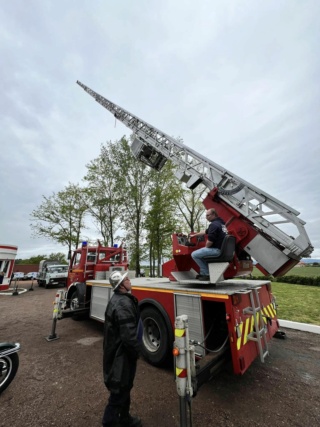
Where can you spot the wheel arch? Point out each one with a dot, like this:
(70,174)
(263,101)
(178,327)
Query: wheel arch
(82,290)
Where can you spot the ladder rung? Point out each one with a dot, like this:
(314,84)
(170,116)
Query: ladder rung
(250,310)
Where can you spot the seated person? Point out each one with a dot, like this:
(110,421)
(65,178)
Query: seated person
(216,233)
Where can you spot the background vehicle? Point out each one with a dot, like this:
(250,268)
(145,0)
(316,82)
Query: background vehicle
(52,273)
(31,276)
(18,275)
(92,262)
(9,363)
(229,319)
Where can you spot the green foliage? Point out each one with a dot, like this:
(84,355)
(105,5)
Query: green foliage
(33,260)
(308,276)
(191,208)
(101,194)
(300,280)
(59,256)
(297,303)
(133,187)
(161,219)
(60,217)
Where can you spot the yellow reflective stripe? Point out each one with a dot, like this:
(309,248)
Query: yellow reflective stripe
(269,312)
(239,339)
(273,311)
(246,330)
(248,325)
(179,332)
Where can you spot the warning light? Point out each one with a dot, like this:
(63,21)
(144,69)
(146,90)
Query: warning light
(175,352)
(84,244)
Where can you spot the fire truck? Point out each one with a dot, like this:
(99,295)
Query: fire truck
(87,263)
(230,318)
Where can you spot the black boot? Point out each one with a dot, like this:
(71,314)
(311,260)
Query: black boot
(129,421)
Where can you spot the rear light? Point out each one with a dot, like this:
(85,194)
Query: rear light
(175,352)
(228,317)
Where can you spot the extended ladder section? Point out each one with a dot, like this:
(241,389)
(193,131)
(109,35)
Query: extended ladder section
(265,212)
(259,331)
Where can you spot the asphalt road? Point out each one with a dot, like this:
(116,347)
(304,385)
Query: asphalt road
(59,383)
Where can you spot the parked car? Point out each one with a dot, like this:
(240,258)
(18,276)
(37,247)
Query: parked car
(18,275)
(31,276)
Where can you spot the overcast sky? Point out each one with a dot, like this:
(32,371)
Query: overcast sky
(237,80)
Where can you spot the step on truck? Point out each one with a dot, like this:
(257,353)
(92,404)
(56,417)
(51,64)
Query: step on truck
(230,318)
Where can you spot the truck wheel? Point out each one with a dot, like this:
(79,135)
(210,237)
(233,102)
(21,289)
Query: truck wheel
(155,338)
(75,305)
(74,301)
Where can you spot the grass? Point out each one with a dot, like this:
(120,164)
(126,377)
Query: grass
(298,303)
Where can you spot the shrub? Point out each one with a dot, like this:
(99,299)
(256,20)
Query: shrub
(295,280)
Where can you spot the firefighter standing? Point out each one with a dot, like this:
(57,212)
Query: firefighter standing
(120,351)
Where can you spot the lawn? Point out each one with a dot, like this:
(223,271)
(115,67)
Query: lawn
(298,303)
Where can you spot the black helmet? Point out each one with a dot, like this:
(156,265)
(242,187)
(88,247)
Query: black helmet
(116,278)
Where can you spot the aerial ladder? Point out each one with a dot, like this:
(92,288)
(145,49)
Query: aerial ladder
(265,228)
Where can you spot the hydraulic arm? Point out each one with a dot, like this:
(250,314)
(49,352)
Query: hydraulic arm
(267,229)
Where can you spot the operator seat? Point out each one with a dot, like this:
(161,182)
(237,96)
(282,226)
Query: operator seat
(218,264)
(227,251)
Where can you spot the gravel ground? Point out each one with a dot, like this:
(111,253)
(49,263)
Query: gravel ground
(59,383)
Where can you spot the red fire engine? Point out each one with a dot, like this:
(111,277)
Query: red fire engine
(229,318)
(92,262)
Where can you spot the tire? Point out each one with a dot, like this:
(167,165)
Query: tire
(74,301)
(74,305)
(155,346)
(8,369)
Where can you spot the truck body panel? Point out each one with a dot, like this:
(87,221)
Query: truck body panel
(224,304)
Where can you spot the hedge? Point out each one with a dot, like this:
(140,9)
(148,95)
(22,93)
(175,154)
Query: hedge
(295,280)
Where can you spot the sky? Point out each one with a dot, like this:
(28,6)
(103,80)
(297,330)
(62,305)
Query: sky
(238,81)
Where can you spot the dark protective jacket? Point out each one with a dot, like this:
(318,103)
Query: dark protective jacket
(216,232)
(121,343)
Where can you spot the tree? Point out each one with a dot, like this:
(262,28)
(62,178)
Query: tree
(132,191)
(101,195)
(59,256)
(161,219)
(191,208)
(60,217)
